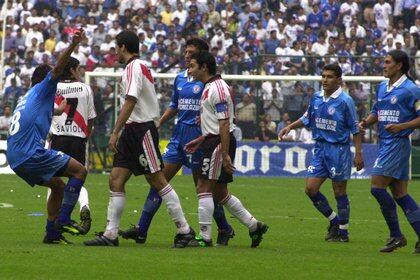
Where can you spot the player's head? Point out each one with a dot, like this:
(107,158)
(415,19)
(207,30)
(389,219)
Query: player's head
(71,70)
(194,45)
(331,77)
(202,65)
(127,44)
(40,73)
(396,63)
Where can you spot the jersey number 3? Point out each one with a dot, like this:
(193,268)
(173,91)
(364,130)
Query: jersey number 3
(72,102)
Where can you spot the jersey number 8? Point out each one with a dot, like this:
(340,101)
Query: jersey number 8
(14,124)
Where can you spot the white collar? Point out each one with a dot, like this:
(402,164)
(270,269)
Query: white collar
(334,95)
(396,84)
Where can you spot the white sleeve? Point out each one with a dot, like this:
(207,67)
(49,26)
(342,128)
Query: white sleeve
(134,80)
(219,102)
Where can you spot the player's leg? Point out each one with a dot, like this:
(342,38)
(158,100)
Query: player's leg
(343,209)
(235,207)
(408,205)
(389,211)
(184,233)
(205,211)
(117,179)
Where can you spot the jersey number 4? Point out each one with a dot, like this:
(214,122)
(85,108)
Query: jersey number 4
(72,102)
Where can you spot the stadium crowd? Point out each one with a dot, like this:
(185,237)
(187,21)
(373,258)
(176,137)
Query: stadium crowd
(246,37)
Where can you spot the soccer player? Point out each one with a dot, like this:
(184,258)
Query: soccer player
(397,112)
(331,115)
(185,103)
(218,146)
(36,165)
(72,125)
(137,151)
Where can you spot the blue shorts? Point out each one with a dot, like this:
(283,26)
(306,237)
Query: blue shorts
(393,158)
(332,161)
(175,152)
(42,166)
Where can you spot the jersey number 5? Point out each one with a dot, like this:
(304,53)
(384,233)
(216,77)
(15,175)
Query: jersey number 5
(72,102)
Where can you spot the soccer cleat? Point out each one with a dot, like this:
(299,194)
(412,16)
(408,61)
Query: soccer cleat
(85,220)
(71,227)
(332,232)
(394,243)
(182,240)
(417,248)
(101,240)
(133,233)
(58,240)
(199,241)
(223,236)
(340,238)
(257,235)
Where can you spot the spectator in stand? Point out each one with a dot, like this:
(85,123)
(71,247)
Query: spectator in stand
(315,18)
(283,123)
(5,121)
(272,43)
(264,134)
(246,115)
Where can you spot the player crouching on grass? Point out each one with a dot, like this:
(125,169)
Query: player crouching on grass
(331,115)
(219,146)
(36,165)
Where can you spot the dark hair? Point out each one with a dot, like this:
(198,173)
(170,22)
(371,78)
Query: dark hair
(401,57)
(72,63)
(129,39)
(205,58)
(200,44)
(40,73)
(335,68)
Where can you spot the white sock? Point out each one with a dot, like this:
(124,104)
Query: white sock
(171,200)
(48,193)
(115,209)
(83,198)
(235,207)
(205,214)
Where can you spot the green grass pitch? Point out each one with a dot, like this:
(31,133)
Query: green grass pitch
(293,248)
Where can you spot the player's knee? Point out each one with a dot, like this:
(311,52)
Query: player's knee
(311,190)
(115,184)
(81,173)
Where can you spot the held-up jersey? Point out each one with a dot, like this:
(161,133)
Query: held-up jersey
(79,109)
(216,104)
(186,97)
(398,104)
(333,119)
(31,121)
(137,82)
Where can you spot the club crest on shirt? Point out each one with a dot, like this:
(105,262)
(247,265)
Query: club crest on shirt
(331,110)
(394,99)
(196,89)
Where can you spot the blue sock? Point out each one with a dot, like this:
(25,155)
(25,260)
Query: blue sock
(321,203)
(411,210)
(151,206)
(389,210)
(343,208)
(71,195)
(51,232)
(220,218)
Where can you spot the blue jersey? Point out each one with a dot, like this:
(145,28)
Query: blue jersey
(31,122)
(400,104)
(331,120)
(186,98)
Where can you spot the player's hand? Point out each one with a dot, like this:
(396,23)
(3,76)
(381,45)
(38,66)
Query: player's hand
(228,165)
(60,109)
(78,36)
(192,146)
(112,144)
(393,128)
(358,161)
(284,132)
(362,127)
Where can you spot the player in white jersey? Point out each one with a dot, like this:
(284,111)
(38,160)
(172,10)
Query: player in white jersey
(71,126)
(219,146)
(137,151)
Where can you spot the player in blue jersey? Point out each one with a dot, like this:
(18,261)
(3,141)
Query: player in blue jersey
(331,115)
(36,165)
(185,104)
(397,112)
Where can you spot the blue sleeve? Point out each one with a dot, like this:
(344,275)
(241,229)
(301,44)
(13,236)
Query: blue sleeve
(47,87)
(351,116)
(307,116)
(174,97)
